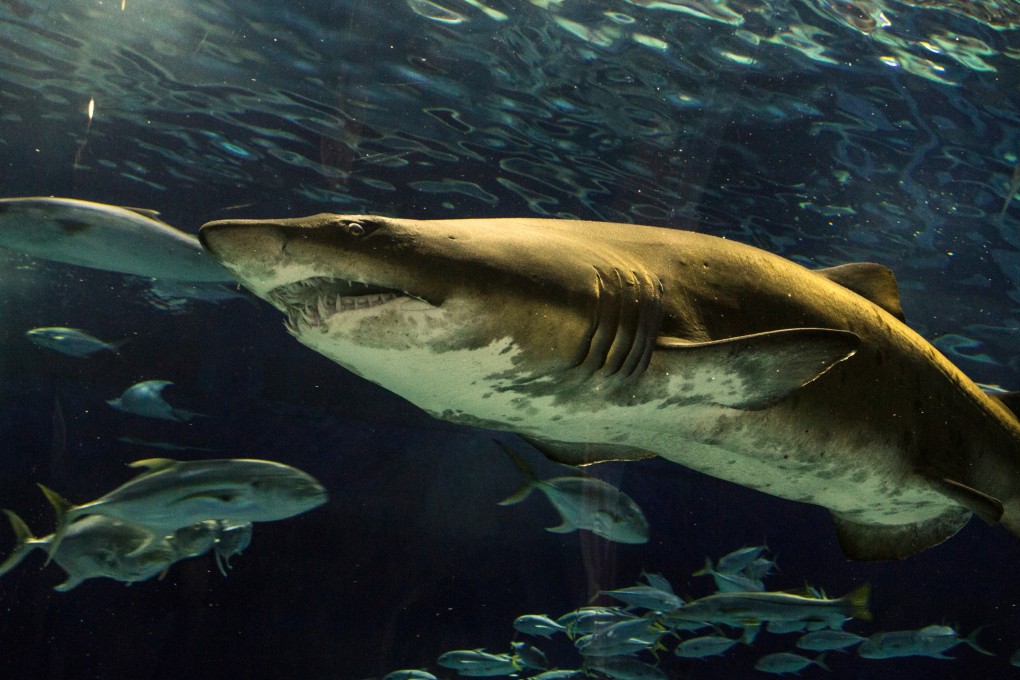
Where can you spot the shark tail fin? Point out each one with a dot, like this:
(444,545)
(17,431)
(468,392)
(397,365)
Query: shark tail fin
(61,507)
(23,542)
(524,490)
(859,602)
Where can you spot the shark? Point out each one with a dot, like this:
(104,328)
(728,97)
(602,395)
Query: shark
(99,236)
(598,341)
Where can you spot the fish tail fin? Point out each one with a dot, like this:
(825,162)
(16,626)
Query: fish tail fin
(524,490)
(708,570)
(22,542)
(61,507)
(859,602)
(972,641)
(820,661)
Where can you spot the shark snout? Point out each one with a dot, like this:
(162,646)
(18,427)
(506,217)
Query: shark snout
(230,240)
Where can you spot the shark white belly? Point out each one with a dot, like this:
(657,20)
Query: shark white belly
(600,341)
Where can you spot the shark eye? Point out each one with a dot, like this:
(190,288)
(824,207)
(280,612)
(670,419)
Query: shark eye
(355,229)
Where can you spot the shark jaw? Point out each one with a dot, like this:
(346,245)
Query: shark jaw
(311,303)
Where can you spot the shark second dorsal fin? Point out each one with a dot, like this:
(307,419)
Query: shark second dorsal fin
(153,464)
(752,372)
(869,280)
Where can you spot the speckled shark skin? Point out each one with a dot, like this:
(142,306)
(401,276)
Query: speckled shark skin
(604,341)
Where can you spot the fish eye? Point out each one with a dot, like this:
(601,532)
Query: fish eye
(355,229)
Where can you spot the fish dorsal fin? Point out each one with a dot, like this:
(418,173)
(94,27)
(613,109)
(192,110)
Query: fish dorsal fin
(869,280)
(1011,400)
(154,464)
(751,372)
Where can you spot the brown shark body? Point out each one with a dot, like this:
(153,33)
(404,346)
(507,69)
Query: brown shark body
(601,341)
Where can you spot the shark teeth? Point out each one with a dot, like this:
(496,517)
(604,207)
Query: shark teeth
(310,302)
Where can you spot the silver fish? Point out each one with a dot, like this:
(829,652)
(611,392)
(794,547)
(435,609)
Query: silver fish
(174,494)
(787,662)
(409,675)
(646,597)
(99,236)
(742,609)
(705,646)
(146,399)
(584,503)
(931,641)
(537,624)
(95,547)
(477,663)
(828,640)
(70,341)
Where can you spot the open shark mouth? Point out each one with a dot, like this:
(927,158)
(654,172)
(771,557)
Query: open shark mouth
(310,302)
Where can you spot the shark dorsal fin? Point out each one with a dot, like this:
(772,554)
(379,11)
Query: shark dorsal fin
(751,372)
(869,280)
(154,464)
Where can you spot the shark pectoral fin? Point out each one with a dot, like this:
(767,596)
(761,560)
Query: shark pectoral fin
(752,372)
(861,541)
(564,528)
(869,280)
(574,453)
(981,504)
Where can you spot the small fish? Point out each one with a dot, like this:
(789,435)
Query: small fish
(657,581)
(537,624)
(705,646)
(741,609)
(929,641)
(621,639)
(787,662)
(730,582)
(409,675)
(173,494)
(146,399)
(164,446)
(559,675)
(646,597)
(529,657)
(584,503)
(784,627)
(625,668)
(70,341)
(586,620)
(95,547)
(740,559)
(828,640)
(477,663)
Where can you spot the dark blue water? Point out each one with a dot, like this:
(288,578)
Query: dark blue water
(826,132)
